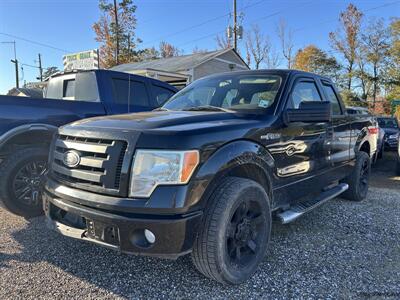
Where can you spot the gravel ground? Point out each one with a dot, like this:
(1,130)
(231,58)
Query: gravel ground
(341,250)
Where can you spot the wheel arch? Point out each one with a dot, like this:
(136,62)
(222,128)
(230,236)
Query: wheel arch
(32,134)
(365,147)
(244,159)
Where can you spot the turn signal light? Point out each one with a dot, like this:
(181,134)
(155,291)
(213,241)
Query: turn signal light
(190,162)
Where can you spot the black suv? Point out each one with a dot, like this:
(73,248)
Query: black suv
(208,171)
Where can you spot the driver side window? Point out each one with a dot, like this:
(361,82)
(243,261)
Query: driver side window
(304,91)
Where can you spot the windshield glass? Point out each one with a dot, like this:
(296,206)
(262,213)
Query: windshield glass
(229,92)
(388,123)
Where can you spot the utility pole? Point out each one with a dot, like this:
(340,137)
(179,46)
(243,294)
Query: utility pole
(40,68)
(14,61)
(234,26)
(117,28)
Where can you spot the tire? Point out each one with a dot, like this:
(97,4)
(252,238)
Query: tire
(235,232)
(398,167)
(21,181)
(358,180)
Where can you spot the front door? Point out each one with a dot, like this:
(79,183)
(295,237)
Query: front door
(301,154)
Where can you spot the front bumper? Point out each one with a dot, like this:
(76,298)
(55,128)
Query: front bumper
(174,235)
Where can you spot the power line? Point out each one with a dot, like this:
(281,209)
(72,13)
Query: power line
(34,42)
(201,24)
(222,31)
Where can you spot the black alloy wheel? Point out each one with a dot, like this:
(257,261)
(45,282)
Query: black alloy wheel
(23,174)
(245,233)
(28,182)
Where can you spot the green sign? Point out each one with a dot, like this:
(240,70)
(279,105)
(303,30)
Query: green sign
(395,102)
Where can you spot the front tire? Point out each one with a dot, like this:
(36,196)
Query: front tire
(358,180)
(235,232)
(21,180)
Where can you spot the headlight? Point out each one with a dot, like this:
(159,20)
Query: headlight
(394,136)
(152,168)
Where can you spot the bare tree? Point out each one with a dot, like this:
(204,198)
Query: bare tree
(346,39)
(362,73)
(273,59)
(168,50)
(285,36)
(223,42)
(376,42)
(258,47)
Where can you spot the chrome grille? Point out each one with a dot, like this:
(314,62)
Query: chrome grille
(99,166)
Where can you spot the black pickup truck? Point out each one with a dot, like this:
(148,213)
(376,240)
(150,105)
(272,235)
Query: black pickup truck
(208,171)
(28,124)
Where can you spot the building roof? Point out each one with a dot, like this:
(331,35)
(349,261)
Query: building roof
(174,64)
(29,92)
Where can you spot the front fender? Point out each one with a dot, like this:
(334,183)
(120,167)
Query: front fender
(225,159)
(9,135)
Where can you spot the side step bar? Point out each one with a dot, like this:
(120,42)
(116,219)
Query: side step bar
(301,208)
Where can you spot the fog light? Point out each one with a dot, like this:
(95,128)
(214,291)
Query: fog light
(150,237)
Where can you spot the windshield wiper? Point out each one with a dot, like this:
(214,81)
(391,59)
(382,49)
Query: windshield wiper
(161,109)
(206,108)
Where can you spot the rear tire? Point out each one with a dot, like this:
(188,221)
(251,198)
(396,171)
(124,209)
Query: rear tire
(235,232)
(21,180)
(358,180)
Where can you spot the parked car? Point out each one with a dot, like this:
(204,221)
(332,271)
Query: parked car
(392,130)
(378,132)
(355,110)
(207,172)
(28,124)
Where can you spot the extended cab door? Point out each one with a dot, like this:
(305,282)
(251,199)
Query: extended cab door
(301,155)
(340,129)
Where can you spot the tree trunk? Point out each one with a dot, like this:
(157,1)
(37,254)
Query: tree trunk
(375,84)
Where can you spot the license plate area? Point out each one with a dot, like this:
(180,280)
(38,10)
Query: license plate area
(99,231)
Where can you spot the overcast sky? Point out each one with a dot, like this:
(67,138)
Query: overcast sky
(67,25)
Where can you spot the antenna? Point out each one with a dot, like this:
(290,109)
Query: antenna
(129,93)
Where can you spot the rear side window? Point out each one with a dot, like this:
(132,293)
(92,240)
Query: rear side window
(331,96)
(161,94)
(130,92)
(304,91)
(69,89)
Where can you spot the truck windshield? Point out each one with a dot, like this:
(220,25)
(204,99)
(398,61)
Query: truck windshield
(74,87)
(229,92)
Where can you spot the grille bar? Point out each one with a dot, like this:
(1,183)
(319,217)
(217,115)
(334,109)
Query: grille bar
(99,167)
(93,162)
(82,146)
(85,175)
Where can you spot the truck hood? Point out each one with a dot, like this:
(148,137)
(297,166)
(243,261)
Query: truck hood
(166,121)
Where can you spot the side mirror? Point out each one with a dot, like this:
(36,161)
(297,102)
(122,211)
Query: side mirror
(309,112)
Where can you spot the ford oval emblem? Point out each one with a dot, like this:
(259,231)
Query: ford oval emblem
(71,159)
